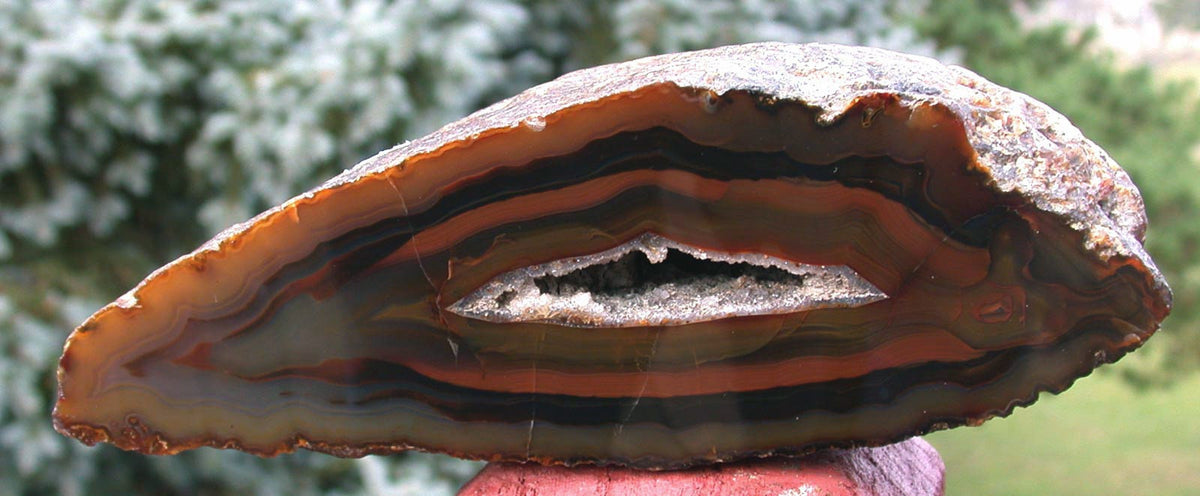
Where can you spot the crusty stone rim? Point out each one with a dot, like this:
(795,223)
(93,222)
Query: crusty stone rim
(1023,145)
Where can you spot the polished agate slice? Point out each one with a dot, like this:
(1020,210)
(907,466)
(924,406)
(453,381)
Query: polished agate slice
(752,250)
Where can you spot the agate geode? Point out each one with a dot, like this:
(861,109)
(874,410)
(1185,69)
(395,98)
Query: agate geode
(756,249)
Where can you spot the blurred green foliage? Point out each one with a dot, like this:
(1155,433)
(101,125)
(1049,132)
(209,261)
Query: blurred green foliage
(131,130)
(1179,13)
(1150,127)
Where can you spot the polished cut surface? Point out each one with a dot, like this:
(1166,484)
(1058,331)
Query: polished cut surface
(696,257)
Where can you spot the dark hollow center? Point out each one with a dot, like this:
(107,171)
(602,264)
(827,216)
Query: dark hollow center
(634,273)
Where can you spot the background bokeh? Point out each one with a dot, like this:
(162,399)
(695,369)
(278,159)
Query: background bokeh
(132,130)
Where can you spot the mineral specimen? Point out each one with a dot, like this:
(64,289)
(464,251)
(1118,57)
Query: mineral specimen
(758,249)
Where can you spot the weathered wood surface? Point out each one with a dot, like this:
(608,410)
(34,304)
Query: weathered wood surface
(908,468)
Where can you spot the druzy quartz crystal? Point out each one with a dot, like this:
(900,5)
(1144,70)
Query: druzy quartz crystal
(751,250)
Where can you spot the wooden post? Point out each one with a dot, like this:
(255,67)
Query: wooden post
(911,467)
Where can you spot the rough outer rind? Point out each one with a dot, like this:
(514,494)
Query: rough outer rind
(1022,144)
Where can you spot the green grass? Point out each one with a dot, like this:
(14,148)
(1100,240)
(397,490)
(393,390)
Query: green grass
(1099,437)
